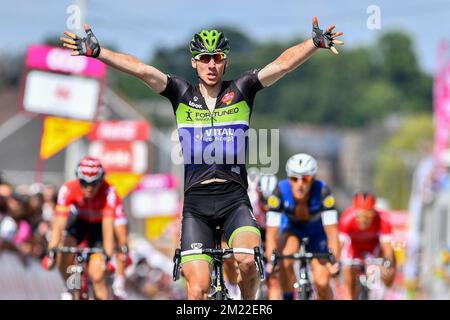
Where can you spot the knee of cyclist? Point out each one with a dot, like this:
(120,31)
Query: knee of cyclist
(96,276)
(388,282)
(247,264)
(322,284)
(197,292)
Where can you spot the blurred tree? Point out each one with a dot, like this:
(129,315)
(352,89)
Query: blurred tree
(398,157)
(11,66)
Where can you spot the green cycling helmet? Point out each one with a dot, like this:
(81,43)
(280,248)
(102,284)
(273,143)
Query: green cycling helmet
(209,41)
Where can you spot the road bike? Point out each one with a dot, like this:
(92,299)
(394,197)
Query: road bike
(303,287)
(218,254)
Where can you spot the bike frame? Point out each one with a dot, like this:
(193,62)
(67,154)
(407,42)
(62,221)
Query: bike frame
(79,277)
(217,280)
(303,285)
(218,288)
(361,265)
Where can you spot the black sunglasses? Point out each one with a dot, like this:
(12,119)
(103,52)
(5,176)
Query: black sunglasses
(89,184)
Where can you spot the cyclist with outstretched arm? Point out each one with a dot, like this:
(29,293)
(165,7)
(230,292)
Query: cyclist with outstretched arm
(212,117)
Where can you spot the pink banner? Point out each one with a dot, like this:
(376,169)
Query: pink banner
(59,60)
(158,181)
(442,103)
(120,130)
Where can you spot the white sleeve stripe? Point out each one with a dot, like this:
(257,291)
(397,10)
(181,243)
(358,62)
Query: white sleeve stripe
(120,221)
(329,217)
(273,219)
(386,238)
(344,238)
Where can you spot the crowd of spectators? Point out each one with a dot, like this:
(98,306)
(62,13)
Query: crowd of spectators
(26,213)
(25,217)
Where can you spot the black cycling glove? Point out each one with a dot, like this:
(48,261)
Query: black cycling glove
(88,46)
(320,39)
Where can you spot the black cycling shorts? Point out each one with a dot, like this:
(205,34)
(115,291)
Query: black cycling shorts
(223,204)
(85,231)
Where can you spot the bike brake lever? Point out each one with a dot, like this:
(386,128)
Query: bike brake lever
(273,259)
(176,266)
(259,264)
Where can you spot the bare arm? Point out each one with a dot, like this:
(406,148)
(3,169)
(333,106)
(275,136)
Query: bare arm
(154,78)
(332,233)
(286,62)
(388,274)
(387,252)
(108,235)
(59,224)
(295,56)
(89,46)
(271,240)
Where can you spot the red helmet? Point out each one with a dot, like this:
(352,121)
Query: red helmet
(364,200)
(90,170)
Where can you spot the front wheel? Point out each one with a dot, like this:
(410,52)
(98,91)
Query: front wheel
(364,293)
(220,296)
(363,289)
(304,292)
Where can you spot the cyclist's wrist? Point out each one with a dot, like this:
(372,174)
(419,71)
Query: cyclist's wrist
(124,249)
(387,264)
(51,252)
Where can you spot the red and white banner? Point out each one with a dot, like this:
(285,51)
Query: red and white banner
(61,95)
(120,131)
(442,103)
(58,84)
(121,156)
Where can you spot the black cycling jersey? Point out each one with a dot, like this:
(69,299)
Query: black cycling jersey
(214,145)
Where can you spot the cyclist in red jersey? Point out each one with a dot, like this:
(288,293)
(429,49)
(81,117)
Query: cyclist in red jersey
(365,230)
(85,212)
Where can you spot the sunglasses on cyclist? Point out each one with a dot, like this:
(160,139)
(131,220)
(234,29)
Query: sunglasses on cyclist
(206,57)
(305,179)
(86,184)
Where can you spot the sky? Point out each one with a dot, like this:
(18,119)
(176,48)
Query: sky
(139,27)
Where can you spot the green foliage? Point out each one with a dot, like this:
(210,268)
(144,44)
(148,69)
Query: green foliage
(397,158)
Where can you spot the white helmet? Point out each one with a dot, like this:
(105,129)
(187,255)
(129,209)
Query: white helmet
(301,164)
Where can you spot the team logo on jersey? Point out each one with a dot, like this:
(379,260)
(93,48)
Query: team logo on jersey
(273,201)
(196,245)
(328,202)
(195,105)
(228,98)
(188,116)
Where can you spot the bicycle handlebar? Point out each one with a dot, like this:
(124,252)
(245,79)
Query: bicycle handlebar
(217,253)
(302,256)
(78,250)
(368,261)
